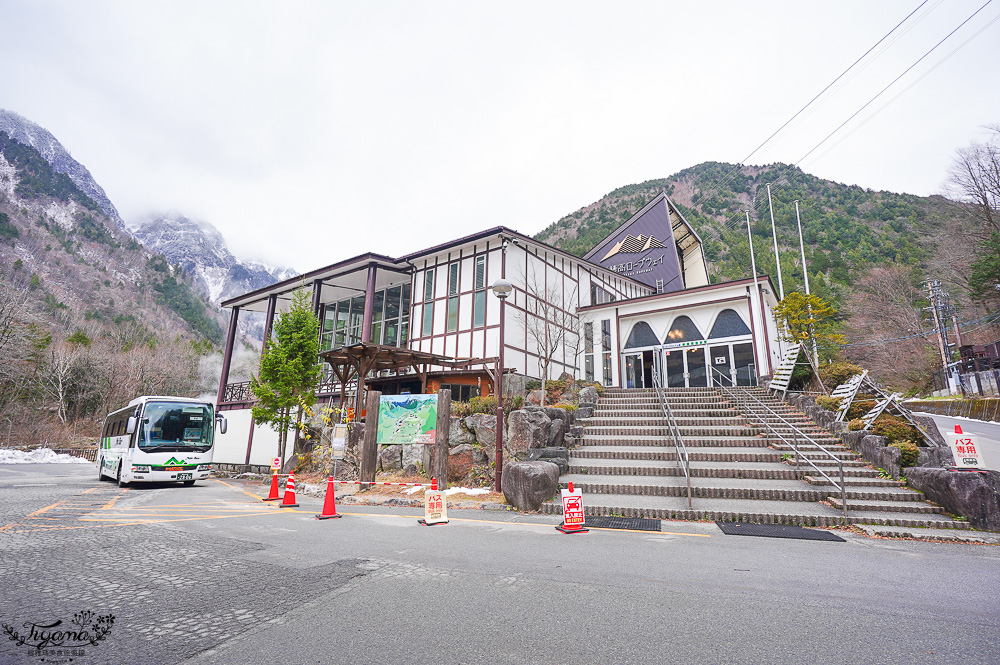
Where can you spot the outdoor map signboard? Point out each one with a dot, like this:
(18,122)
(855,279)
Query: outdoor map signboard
(407,419)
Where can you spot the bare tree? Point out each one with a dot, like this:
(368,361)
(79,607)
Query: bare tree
(888,328)
(549,324)
(974,179)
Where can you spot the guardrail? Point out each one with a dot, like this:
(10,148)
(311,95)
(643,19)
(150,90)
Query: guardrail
(675,431)
(743,397)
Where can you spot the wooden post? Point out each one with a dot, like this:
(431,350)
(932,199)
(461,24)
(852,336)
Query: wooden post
(369,448)
(439,449)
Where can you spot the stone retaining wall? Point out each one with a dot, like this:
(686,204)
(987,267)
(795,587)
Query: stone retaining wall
(980,409)
(975,496)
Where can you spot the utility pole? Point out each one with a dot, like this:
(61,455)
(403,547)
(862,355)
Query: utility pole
(805,275)
(933,291)
(774,237)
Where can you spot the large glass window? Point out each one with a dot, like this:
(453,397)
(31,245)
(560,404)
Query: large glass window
(176,426)
(428,320)
(479,297)
(429,284)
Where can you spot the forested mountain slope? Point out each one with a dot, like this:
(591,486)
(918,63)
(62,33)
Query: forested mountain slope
(847,229)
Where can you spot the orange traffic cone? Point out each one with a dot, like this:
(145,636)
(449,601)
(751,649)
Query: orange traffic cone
(273,496)
(330,503)
(288,501)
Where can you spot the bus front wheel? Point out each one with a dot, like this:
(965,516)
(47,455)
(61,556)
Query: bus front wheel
(100,469)
(188,483)
(121,483)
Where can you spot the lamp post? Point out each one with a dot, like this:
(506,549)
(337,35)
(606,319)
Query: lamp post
(501,289)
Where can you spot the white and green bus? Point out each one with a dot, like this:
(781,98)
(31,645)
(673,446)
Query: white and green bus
(159,439)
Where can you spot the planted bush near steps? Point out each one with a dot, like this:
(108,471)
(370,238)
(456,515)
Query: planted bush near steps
(910,454)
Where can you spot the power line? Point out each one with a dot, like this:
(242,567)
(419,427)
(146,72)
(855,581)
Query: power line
(729,224)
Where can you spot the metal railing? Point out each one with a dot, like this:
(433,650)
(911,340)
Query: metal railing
(745,397)
(672,427)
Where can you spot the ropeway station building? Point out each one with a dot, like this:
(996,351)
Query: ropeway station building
(429,320)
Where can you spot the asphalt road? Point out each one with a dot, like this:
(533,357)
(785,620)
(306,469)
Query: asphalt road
(987,432)
(211,575)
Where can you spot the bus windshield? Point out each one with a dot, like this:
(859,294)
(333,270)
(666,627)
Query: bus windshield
(176,426)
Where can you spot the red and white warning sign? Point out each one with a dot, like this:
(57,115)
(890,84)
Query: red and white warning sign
(276,464)
(965,450)
(435,506)
(573,517)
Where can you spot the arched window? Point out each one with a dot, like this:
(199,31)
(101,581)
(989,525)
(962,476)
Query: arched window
(728,324)
(683,330)
(641,335)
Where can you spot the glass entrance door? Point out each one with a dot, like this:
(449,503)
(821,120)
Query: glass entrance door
(696,372)
(675,368)
(746,371)
(633,371)
(721,364)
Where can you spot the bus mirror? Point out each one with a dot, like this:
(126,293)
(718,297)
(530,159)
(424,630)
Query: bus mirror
(222,424)
(130,425)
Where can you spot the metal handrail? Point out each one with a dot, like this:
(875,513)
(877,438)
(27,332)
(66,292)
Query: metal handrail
(842,486)
(672,427)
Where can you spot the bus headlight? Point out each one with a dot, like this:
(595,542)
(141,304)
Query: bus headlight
(140,469)
(204,467)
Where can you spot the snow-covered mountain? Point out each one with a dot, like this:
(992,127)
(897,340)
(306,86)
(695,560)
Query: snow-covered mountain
(28,133)
(201,251)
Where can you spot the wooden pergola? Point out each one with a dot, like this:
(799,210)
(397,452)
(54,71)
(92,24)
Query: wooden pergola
(359,361)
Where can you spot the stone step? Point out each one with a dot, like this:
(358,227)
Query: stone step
(855,480)
(747,510)
(701,454)
(731,488)
(663,430)
(691,442)
(658,421)
(775,470)
(921,507)
(657,412)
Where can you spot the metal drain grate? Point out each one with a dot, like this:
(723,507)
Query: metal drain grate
(634,523)
(777,531)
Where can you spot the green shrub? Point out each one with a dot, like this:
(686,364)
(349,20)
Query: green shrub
(828,403)
(860,407)
(567,407)
(910,453)
(532,385)
(487,405)
(855,425)
(834,374)
(894,429)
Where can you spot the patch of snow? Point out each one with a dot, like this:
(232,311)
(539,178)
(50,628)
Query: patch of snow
(465,490)
(412,490)
(62,213)
(38,456)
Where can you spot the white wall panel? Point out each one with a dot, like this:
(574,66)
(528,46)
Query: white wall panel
(465,312)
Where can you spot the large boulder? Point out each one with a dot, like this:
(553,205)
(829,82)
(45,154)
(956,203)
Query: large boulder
(485,428)
(526,485)
(390,458)
(558,455)
(458,435)
(975,496)
(527,429)
(534,397)
(588,395)
(460,461)
(413,453)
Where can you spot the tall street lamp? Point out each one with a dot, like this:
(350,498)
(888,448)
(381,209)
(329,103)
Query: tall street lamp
(501,289)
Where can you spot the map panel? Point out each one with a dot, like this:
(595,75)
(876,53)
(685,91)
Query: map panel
(407,419)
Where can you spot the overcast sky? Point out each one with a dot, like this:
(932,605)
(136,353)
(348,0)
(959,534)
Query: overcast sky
(309,132)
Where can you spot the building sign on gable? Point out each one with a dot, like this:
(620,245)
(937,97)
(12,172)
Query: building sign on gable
(644,249)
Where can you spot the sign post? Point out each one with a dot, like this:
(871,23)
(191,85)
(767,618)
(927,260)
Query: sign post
(435,507)
(965,450)
(275,467)
(573,517)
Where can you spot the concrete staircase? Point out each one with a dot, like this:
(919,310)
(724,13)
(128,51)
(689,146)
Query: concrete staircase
(627,465)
